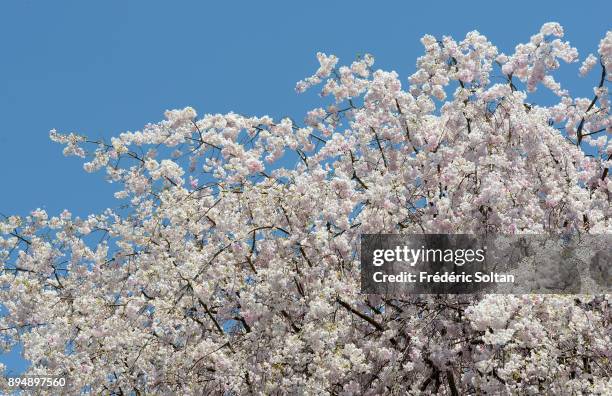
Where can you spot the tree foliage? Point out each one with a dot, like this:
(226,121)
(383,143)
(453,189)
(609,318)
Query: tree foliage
(227,271)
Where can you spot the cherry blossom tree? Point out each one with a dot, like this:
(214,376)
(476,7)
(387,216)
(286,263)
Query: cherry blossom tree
(228,271)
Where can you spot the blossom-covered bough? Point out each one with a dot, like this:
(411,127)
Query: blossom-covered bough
(229,272)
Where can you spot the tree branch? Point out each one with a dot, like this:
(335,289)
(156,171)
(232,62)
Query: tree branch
(581,125)
(365,317)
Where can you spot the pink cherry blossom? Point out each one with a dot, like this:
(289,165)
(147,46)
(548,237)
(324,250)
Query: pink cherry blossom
(227,270)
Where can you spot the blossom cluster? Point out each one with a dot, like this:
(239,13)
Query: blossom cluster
(226,272)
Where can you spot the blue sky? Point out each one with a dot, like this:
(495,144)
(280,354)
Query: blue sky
(101,68)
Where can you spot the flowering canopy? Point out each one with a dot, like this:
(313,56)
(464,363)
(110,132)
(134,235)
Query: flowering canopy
(228,272)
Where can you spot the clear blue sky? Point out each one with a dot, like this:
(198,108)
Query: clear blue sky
(100,68)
